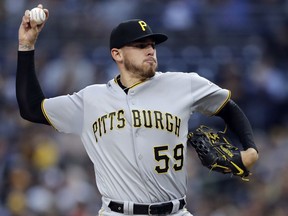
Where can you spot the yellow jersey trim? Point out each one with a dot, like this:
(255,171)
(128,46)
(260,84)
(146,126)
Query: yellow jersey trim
(45,114)
(132,86)
(223,104)
(136,84)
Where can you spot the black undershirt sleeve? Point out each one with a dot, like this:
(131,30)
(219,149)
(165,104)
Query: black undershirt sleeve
(28,91)
(237,121)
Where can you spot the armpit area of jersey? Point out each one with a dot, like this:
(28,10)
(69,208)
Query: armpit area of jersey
(28,91)
(237,121)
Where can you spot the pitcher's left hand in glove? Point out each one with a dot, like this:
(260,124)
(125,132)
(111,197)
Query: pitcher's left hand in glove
(216,153)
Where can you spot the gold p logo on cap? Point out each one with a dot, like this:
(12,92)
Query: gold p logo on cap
(143,25)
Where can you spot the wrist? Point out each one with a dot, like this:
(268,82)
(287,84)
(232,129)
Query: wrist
(26,47)
(249,157)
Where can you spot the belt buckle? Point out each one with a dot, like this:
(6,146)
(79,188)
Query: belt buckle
(159,209)
(150,211)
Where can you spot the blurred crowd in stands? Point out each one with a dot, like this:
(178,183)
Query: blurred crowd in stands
(241,45)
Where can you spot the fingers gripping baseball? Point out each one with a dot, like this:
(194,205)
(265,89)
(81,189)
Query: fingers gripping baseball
(38,15)
(31,26)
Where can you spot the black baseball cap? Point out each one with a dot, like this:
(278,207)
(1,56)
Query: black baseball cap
(133,30)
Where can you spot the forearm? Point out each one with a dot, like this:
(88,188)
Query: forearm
(28,91)
(237,121)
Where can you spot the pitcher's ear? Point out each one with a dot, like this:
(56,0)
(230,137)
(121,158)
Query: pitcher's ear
(116,54)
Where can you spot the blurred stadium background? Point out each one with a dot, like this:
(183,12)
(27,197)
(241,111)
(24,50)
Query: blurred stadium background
(241,45)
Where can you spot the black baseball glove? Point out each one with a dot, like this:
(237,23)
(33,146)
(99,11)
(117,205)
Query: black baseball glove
(216,152)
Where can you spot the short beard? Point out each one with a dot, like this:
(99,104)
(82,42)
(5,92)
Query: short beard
(141,72)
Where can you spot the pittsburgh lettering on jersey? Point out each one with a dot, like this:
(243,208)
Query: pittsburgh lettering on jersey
(108,122)
(140,119)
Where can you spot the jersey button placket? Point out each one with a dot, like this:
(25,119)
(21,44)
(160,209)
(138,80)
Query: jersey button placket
(131,98)
(135,131)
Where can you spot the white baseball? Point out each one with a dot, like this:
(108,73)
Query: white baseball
(38,15)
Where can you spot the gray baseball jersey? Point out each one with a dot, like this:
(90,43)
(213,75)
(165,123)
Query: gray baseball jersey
(137,141)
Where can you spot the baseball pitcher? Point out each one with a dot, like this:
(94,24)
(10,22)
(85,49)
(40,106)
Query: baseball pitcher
(134,128)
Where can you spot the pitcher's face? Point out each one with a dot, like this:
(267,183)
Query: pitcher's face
(140,58)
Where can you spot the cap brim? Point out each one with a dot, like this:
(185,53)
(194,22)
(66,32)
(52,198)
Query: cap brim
(156,37)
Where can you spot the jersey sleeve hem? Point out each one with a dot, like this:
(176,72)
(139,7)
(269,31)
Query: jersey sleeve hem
(46,116)
(223,104)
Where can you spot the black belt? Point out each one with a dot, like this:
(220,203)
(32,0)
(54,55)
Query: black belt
(142,209)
